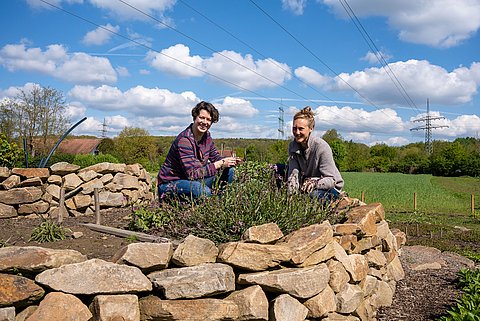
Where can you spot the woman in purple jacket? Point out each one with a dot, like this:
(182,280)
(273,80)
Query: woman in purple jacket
(193,160)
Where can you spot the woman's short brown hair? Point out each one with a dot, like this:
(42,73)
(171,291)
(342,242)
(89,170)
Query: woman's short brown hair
(209,108)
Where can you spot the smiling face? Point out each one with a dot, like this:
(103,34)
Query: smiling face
(201,124)
(301,131)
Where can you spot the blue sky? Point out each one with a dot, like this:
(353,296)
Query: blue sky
(146,63)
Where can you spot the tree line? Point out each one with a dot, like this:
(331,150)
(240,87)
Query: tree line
(40,115)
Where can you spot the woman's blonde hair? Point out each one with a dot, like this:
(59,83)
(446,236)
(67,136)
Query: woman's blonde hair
(308,114)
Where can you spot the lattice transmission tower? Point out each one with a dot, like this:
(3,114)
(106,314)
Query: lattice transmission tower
(104,129)
(281,123)
(428,128)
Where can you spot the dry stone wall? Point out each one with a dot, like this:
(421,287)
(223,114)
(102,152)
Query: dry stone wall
(319,272)
(36,191)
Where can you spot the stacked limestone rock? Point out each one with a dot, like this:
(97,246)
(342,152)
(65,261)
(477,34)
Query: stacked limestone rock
(319,272)
(27,191)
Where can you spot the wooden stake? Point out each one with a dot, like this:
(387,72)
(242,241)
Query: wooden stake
(61,206)
(123,233)
(472,201)
(363,197)
(96,200)
(414,201)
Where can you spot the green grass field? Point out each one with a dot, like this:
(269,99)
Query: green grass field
(440,200)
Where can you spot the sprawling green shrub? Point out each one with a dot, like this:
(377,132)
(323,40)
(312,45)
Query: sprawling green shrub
(48,231)
(89,159)
(468,306)
(9,152)
(252,199)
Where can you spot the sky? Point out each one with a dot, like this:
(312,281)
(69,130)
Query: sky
(366,67)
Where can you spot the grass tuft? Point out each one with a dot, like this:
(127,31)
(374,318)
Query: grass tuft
(48,231)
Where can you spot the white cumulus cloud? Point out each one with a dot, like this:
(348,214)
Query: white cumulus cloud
(438,23)
(312,77)
(227,67)
(139,100)
(419,78)
(101,35)
(57,62)
(295,6)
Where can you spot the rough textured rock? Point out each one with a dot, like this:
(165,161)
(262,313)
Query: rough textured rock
(299,282)
(95,277)
(252,303)
(195,281)
(36,259)
(253,256)
(264,234)
(307,240)
(286,308)
(18,291)
(195,250)
(123,307)
(153,308)
(146,256)
(321,304)
(60,306)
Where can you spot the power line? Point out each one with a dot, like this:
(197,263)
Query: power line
(159,52)
(226,57)
(272,61)
(173,58)
(168,56)
(378,54)
(255,50)
(318,58)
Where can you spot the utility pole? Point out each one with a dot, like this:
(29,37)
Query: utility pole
(428,128)
(104,129)
(281,123)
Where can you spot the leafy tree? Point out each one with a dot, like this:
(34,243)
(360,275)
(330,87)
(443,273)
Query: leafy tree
(339,154)
(357,156)
(9,152)
(331,135)
(135,145)
(412,159)
(278,152)
(7,123)
(382,157)
(106,146)
(449,161)
(36,113)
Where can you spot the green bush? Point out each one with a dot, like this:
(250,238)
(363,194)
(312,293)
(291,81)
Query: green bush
(4,243)
(468,306)
(89,159)
(48,231)
(144,218)
(252,199)
(9,152)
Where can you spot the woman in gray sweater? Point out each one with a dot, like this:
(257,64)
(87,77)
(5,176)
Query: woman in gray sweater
(311,168)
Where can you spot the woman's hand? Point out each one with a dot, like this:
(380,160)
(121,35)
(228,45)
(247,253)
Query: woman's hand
(227,162)
(309,184)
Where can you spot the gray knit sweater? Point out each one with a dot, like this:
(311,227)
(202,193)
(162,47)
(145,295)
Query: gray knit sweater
(315,161)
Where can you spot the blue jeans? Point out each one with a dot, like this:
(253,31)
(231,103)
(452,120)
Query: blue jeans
(325,194)
(195,189)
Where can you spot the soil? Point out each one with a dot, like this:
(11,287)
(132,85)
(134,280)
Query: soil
(422,295)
